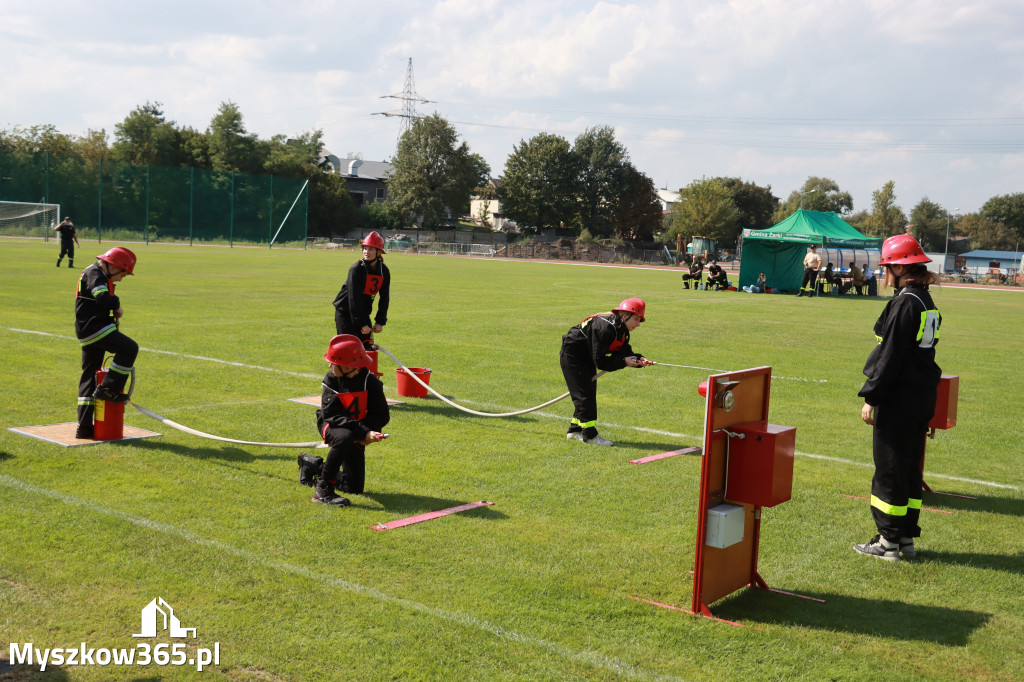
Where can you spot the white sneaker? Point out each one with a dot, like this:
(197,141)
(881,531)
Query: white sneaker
(907,548)
(574,435)
(880,548)
(598,440)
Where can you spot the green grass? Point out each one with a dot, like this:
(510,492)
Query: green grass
(536,587)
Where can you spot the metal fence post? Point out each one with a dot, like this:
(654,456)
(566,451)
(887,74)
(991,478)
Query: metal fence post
(191,200)
(270,223)
(99,203)
(147,203)
(231,224)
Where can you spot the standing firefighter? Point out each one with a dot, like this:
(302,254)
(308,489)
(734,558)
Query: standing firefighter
(97,311)
(353,411)
(367,278)
(68,241)
(599,342)
(899,397)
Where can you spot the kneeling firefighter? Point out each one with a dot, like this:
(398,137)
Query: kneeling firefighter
(599,342)
(353,411)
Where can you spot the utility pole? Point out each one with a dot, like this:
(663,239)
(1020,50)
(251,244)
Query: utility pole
(409,99)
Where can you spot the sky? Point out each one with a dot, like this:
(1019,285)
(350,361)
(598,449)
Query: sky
(926,93)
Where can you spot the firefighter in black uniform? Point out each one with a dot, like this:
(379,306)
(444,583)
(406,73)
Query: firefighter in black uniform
(694,275)
(599,342)
(68,241)
(352,413)
(716,277)
(367,278)
(97,311)
(899,398)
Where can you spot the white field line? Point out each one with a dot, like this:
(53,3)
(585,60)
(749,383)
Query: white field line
(591,658)
(549,415)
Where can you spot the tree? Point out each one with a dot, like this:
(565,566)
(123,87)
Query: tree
(928,225)
(637,211)
(92,145)
(602,176)
(232,149)
(706,209)
(38,139)
(1007,209)
(985,234)
(538,188)
(145,136)
(819,194)
(432,173)
(755,204)
(886,218)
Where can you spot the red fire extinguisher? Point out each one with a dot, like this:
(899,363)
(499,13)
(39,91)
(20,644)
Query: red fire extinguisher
(108,416)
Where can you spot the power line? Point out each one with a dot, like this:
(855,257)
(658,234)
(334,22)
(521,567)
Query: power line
(409,99)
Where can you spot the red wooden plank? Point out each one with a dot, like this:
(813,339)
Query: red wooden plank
(430,515)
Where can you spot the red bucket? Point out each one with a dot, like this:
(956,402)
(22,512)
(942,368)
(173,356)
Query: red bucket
(407,386)
(373,363)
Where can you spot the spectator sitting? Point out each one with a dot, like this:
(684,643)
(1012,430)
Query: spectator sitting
(716,277)
(826,277)
(757,287)
(856,281)
(869,281)
(695,273)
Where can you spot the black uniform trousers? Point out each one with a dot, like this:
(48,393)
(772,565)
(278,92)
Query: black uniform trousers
(579,377)
(898,443)
(125,351)
(348,456)
(67,248)
(344,325)
(809,281)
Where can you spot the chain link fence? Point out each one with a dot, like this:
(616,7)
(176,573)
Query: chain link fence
(143,202)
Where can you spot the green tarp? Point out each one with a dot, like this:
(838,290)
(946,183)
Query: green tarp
(779,251)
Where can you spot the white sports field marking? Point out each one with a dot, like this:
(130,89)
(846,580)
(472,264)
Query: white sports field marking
(304,375)
(698,440)
(547,414)
(592,658)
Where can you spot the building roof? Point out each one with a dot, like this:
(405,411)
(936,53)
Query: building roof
(358,168)
(993,255)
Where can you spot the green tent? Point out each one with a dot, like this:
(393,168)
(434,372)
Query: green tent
(779,251)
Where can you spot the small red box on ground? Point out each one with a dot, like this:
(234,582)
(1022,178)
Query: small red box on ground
(761,464)
(945,405)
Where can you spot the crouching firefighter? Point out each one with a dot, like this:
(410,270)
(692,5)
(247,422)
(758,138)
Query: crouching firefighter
(599,342)
(352,413)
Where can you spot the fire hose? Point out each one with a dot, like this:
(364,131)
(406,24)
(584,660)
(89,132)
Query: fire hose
(466,409)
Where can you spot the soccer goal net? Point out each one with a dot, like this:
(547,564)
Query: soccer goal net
(23,219)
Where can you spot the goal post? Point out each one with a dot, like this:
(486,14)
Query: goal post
(27,219)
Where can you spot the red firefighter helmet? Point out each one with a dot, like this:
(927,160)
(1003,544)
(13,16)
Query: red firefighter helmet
(375,240)
(346,350)
(632,305)
(902,249)
(121,257)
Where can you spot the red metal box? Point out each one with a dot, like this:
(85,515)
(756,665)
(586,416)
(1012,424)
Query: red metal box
(760,465)
(945,406)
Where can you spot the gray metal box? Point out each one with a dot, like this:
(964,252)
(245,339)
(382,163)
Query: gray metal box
(725,525)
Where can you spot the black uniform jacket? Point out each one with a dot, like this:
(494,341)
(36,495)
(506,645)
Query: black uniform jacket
(365,281)
(66,232)
(903,362)
(95,304)
(357,404)
(603,338)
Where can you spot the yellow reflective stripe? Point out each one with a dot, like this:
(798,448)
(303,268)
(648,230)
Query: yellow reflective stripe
(913,504)
(585,425)
(890,509)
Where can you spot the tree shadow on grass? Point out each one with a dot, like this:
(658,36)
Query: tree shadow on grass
(857,615)
(4,455)
(401,503)
(1008,506)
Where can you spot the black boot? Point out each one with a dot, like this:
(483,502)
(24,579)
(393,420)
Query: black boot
(324,494)
(58,262)
(71,263)
(106,393)
(309,468)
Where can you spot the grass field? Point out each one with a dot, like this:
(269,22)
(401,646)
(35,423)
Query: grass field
(537,586)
